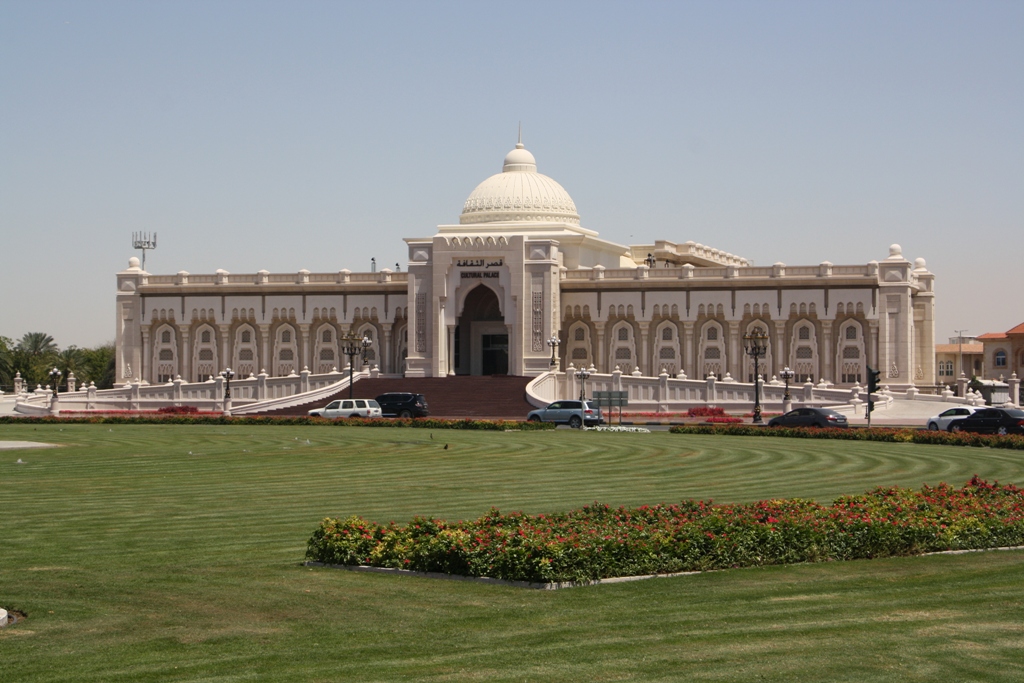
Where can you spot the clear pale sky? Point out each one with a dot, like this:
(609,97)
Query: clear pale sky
(317,135)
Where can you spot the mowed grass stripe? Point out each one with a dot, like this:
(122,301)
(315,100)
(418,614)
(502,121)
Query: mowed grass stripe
(151,558)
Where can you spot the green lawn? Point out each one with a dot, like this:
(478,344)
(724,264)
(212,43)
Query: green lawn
(162,553)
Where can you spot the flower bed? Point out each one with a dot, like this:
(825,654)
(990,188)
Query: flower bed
(706,411)
(138,417)
(597,541)
(892,435)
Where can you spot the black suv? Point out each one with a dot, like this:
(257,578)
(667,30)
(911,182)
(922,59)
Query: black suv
(401,404)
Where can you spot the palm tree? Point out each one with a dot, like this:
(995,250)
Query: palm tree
(98,366)
(70,360)
(6,361)
(37,344)
(33,357)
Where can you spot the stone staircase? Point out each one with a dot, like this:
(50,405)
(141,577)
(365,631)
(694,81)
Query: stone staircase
(478,397)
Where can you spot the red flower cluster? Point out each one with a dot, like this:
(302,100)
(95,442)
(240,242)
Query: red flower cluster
(705,411)
(598,541)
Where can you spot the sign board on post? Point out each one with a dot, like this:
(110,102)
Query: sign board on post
(612,399)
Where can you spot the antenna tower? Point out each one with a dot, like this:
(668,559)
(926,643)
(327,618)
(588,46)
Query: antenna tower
(143,241)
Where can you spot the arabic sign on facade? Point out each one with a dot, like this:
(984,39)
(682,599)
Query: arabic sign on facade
(479,263)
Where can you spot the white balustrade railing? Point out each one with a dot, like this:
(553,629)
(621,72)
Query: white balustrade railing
(672,394)
(253,394)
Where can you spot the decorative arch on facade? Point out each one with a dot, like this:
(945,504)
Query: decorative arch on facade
(165,354)
(578,349)
(245,352)
(666,348)
(764,365)
(286,350)
(463,293)
(622,347)
(711,354)
(803,351)
(850,353)
(325,350)
(205,359)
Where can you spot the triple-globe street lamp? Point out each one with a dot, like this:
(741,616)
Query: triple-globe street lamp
(787,401)
(54,380)
(553,343)
(352,345)
(228,374)
(756,346)
(583,375)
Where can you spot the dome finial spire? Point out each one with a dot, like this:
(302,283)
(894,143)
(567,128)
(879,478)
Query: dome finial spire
(519,144)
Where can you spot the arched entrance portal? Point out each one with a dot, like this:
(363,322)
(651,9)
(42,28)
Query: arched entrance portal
(481,337)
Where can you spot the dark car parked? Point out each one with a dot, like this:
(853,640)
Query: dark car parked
(403,404)
(991,421)
(810,417)
(568,412)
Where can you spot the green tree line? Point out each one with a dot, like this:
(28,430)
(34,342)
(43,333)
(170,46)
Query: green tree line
(36,354)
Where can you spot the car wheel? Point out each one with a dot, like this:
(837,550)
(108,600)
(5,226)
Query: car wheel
(1002,431)
(534,418)
(932,427)
(955,428)
(575,421)
(405,414)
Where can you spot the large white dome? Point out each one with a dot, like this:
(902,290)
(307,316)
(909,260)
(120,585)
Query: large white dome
(519,194)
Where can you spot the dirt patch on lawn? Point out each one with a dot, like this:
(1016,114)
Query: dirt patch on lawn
(11,445)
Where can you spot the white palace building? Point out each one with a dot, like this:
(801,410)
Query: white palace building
(485,295)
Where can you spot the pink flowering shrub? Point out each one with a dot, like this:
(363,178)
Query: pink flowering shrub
(598,541)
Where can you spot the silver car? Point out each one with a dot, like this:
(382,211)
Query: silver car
(349,407)
(571,413)
(941,421)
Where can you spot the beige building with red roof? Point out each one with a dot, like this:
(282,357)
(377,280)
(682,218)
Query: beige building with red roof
(1003,352)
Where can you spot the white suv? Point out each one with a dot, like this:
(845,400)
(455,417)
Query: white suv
(941,421)
(349,407)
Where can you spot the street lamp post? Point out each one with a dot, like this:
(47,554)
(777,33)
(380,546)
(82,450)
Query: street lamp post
(960,349)
(787,401)
(756,345)
(366,343)
(582,375)
(650,261)
(351,346)
(228,375)
(553,343)
(54,380)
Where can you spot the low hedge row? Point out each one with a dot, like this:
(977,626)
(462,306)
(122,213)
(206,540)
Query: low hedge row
(192,419)
(891,435)
(597,541)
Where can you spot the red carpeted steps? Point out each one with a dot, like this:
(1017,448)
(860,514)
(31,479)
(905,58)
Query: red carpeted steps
(483,397)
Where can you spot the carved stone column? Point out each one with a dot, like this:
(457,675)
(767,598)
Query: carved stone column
(689,363)
(828,352)
(146,361)
(304,345)
(600,352)
(737,356)
(184,352)
(223,330)
(265,350)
